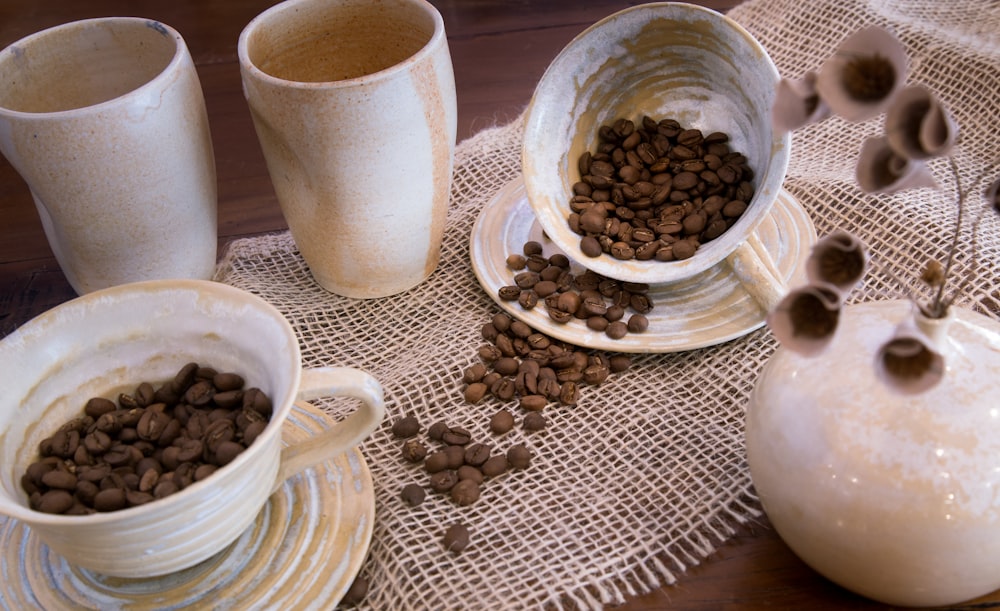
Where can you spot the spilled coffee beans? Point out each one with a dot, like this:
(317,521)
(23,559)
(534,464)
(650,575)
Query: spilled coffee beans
(657,191)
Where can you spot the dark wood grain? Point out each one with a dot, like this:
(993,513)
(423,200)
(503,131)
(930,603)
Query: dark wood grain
(500,48)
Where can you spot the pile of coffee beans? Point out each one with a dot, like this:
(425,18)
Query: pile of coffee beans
(147,444)
(521,363)
(656,191)
(601,303)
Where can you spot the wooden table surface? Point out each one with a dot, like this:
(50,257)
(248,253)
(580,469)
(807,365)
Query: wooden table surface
(499,48)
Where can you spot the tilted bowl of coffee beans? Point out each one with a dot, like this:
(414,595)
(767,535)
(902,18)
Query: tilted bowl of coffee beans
(648,150)
(141,425)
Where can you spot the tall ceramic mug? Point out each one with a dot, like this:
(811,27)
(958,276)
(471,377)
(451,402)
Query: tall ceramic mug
(105,120)
(354,105)
(106,343)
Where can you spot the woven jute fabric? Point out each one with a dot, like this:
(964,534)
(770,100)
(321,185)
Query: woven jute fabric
(647,475)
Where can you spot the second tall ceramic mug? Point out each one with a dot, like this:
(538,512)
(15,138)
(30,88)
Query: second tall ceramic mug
(354,105)
(105,120)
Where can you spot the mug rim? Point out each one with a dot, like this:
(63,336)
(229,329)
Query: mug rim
(14,508)
(247,66)
(180,51)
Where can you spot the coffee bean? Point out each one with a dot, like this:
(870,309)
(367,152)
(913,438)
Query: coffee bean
(496,465)
(476,454)
(470,472)
(355,594)
(456,436)
(414,451)
(436,462)
(407,426)
(518,456)
(533,421)
(502,422)
(443,481)
(465,492)
(55,501)
(455,455)
(413,494)
(437,430)
(456,538)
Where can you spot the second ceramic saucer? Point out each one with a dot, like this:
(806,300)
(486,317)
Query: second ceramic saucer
(708,309)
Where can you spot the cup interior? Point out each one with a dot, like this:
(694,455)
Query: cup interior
(109,341)
(84,63)
(665,60)
(312,41)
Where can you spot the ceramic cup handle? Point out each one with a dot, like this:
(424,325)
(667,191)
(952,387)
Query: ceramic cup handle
(757,272)
(339,382)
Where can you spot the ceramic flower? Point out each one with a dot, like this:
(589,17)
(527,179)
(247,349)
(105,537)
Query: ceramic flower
(881,169)
(908,363)
(797,103)
(806,319)
(860,79)
(838,259)
(918,126)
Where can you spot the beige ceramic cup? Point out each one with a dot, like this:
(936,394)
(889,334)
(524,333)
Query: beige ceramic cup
(104,119)
(354,106)
(107,342)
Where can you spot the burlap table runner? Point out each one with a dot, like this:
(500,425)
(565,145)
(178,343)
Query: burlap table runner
(647,476)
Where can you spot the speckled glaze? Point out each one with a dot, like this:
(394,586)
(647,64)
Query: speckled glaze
(665,60)
(108,341)
(894,497)
(105,121)
(354,106)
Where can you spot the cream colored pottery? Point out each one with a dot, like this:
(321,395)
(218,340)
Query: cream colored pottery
(107,342)
(355,110)
(896,497)
(664,60)
(105,121)
(704,310)
(303,550)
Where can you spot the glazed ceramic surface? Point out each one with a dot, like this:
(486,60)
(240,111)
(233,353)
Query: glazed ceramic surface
(304,549)
(105,121)
(707,309)
(894,497)
(664,60)
(354,106)
(106,343)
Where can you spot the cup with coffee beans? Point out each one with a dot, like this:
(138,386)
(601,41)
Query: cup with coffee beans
(147,419)
(648,149)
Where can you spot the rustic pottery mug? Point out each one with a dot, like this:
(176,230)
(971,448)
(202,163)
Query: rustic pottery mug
(109,341)
(354,107)
(105,121)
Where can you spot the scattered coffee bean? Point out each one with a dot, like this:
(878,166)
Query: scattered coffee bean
(465,492)
(518,456)
(533,421)
(502,422)
(470,472)
(443,481)
(496,465)
(405,427)
(456,538)
(414,450)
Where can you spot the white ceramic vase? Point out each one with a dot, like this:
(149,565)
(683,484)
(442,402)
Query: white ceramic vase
(895,497)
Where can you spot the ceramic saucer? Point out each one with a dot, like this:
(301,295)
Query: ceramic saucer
(304,550)
(707,309)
